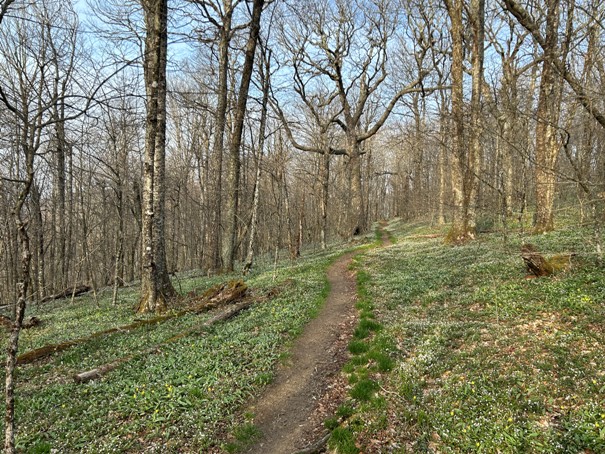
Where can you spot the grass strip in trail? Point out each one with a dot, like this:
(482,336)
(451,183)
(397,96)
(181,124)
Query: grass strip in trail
(185,397)
(212,298)
(368,363)
(481,359)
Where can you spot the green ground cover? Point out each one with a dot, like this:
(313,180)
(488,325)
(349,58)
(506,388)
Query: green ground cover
(481,358)
(455,352)
(179,399)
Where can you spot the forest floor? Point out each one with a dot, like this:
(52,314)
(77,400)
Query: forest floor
(415,347)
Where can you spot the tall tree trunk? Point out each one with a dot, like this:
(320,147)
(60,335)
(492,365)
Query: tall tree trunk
(159,173)
(547,144)
(22,293)
(38,227)
(119,250)
(254,219)
(220,119)
(301,223)
(442,164)
(60,196)
(357,210)
(13,342)
(458,231)
(266,84)
(325,195)
(233,172)
(284,187)
(477,19)
(155,287)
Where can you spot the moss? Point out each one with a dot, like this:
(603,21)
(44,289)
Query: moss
(459,235)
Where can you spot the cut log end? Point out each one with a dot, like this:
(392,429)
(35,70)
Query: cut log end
(537,265)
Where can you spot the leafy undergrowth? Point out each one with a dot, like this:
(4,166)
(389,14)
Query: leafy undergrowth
(482,359)
(179,399)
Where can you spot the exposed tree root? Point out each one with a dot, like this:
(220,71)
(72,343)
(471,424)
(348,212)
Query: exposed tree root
(316,447)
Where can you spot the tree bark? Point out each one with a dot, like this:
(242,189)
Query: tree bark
(477,19)
(61,278)
(38,224)
(220,119)
(443,137)
(357,212)
(159,168)
(266,85)
(22,293)
(547,144)
(459,230)
(13,342)
(233,172)
(155,286)
(325,196)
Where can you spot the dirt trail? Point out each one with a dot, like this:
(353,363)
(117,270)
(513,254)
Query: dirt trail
(308,389)
(385,239)
(286,413)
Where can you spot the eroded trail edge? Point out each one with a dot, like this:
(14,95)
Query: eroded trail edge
(289,412)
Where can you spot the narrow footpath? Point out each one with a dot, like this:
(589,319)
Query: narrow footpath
(286,413)
(309,386)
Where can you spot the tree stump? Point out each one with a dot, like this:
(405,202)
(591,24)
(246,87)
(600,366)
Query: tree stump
(536,264)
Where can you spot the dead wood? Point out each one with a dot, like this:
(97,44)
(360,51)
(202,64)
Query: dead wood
(67,293)
(29,322)
(104,369)
(537,265)
(216,296)
(48,350)
(6,322)
(316,447)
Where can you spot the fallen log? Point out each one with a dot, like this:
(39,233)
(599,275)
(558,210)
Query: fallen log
(537,265)
(29,322)
(214,297)
(47,350)
(67,293)
(100,371)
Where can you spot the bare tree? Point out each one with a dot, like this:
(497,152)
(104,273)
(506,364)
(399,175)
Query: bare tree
(353,59)
(467,166)
(264,69)
(30,89)
(219,13)
(233,169)
(323,112)
(156,287)
(554,71)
